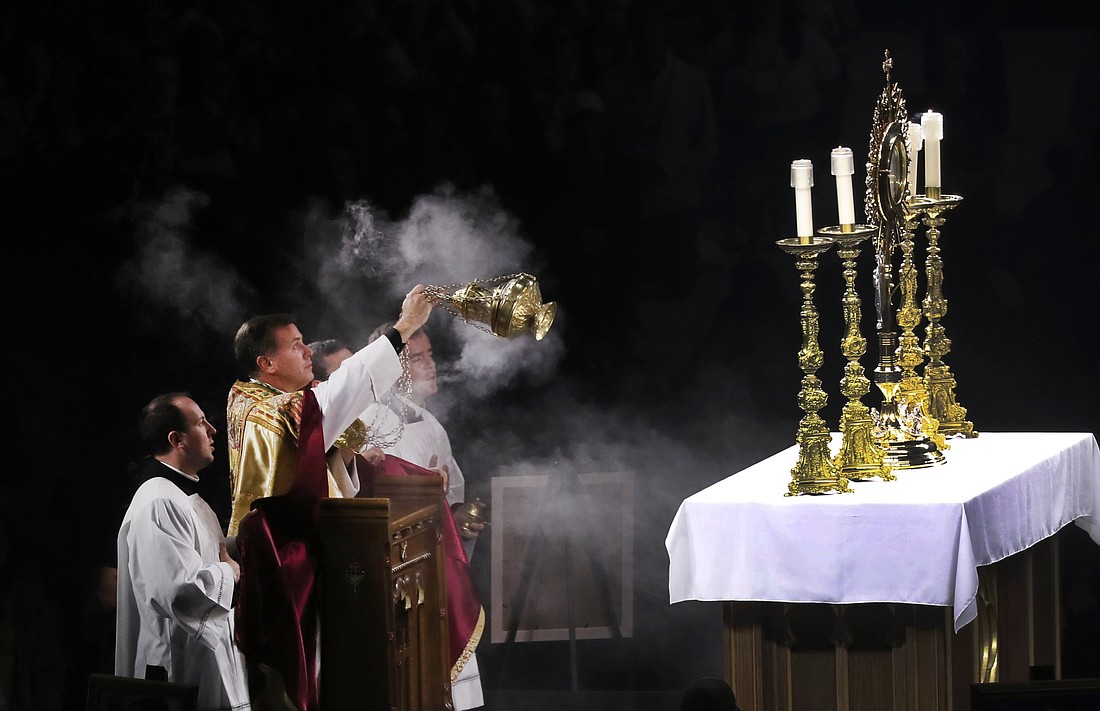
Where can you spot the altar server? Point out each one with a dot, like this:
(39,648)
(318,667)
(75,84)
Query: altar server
(176,581)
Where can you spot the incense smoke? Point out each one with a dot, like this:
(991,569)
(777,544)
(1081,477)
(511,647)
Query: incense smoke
(366,262)
(169,271)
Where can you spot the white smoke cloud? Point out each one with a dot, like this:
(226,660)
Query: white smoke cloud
(169,271)
(487,364)
(457,238)
(366,262)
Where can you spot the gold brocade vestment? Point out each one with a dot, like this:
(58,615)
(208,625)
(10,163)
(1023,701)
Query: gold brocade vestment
(262,426)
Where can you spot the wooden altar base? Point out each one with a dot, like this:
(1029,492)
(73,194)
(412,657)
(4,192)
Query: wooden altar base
(904,657)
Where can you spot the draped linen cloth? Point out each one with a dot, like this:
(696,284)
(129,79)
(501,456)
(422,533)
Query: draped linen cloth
(920,539)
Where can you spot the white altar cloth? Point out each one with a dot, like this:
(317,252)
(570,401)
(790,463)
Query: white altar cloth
(919,539)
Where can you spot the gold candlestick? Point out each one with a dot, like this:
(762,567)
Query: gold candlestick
(861,454)
(938,380)
(910,355)
(911,391)
(814,473)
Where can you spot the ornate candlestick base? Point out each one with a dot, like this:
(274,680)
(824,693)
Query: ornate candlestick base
(939,383)
(814,473)
(941,394)
(861,455)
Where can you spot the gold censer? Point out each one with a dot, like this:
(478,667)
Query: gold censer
(505,306)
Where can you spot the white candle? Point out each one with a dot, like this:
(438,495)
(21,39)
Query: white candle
(916,140)
(931,124)
(843,167)
(802,179)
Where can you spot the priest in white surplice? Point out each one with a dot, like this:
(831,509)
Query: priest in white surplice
(176,581)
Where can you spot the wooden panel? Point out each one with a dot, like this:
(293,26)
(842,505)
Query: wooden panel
(420,643)
(383,615)
(893,656)
(778,676)
(357,630)
(1014,618)
(743,663)
(813,680)
(962,663)
(871,683)
(926,653)
(1046,592)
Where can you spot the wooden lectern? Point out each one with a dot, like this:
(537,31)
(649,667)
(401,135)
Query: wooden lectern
(382,599)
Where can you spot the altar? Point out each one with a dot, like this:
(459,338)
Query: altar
(900,594)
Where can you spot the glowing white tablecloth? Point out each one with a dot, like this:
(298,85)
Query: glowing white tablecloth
(918,539)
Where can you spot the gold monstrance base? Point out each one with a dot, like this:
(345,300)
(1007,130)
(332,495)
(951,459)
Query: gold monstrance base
(909,445)
(913,454)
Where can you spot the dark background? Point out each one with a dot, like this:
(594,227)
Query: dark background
(679,316)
